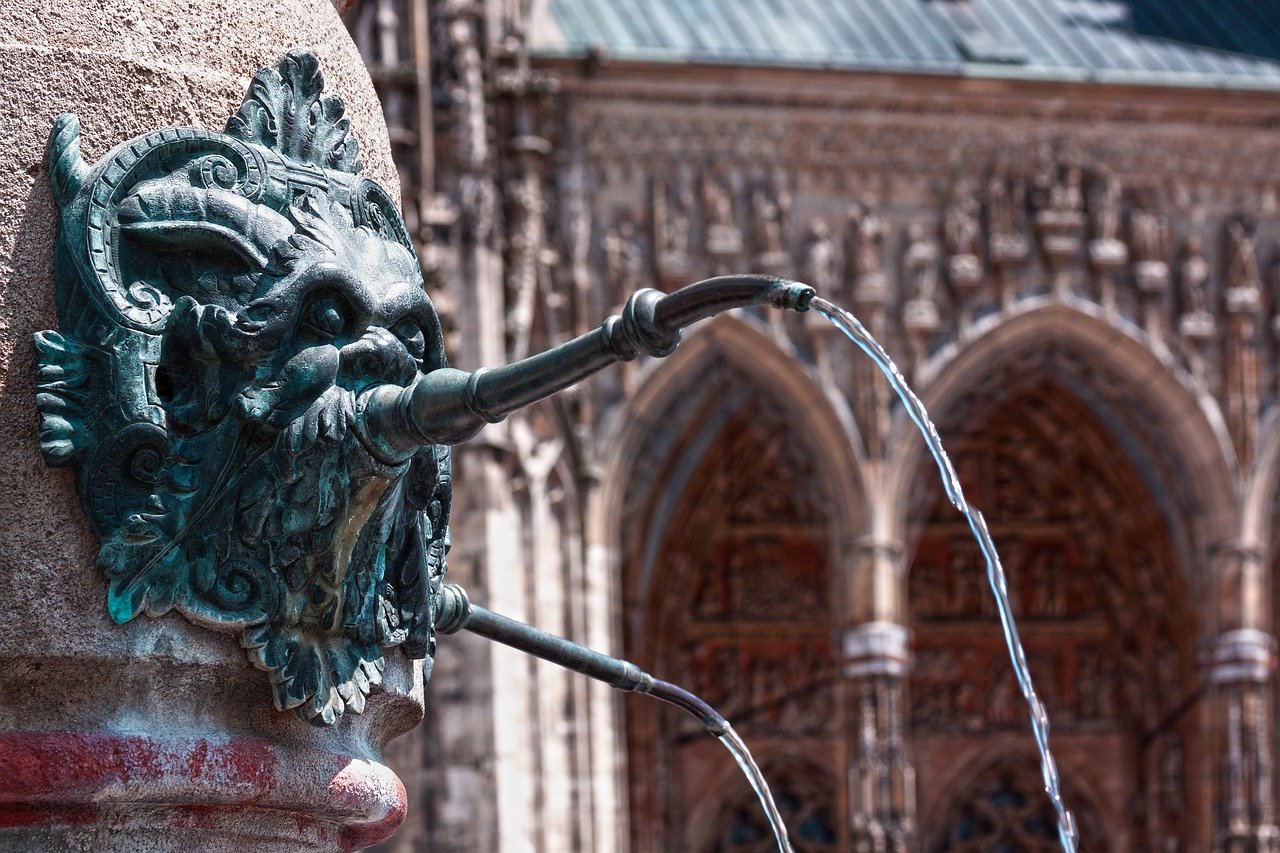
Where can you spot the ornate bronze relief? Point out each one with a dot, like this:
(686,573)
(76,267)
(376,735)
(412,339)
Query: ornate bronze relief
(223,300)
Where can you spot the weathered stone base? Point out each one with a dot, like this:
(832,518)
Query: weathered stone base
(157,735)
(158,778)
(104,792)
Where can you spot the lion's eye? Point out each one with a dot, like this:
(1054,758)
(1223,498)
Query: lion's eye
(325,318)
(410,334)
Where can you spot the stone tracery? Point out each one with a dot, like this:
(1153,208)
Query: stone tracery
(1095,587)
(748,546)
(804,795)
(1000,808)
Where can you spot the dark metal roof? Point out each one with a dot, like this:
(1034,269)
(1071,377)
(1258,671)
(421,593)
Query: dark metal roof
(1209,43)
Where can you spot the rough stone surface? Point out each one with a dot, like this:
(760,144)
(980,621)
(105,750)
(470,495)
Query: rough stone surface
(170,694)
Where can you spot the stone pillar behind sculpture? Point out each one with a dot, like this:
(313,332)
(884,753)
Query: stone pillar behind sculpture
(153,735)
(875,664)
(1238,665)
(1239,668)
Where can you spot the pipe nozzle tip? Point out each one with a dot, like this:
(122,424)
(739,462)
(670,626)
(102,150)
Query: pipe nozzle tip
(793,296)
(716,725)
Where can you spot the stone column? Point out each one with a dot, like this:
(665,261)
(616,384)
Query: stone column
(1008,254)
(966,274)
(155,735)
(875,662)
(1106,256)
(920,319)
(1239,663)
(1061,235)
(1152,280)
(1243,309)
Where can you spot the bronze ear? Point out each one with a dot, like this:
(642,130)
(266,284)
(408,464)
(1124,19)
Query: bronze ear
(372,208)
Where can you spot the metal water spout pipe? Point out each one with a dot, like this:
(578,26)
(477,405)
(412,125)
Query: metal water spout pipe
(449,406)
(455,612)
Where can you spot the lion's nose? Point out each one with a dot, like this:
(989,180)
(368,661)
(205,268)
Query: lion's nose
(378,358)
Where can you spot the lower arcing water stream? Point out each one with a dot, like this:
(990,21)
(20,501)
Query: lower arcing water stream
(456,612)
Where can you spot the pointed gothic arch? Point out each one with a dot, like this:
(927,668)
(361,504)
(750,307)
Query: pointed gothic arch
(997,802)
(1107,617)
(670,393)
(805,793)
(731,487)
(1175,437)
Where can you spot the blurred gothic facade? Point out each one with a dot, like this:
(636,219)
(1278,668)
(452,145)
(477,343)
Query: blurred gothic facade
(1061,216)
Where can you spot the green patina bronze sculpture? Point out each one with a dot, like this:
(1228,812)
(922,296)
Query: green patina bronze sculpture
(223,299)
(250,383)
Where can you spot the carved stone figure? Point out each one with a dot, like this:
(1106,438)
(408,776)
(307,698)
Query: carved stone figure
(961,228)
(1193,275)
(769,212)
(1149,247)
(1104,204)
(1005,201)
(1091,687)
(672,218)
(968,583)
(920,315)
(223,300)
(525,279)
(1048,585)
(1148,235)
(962,235)
(1196,323)
(864,251)
(723,237)
(1003,207)
(1060,221)
(1242,257)
(821,265)
(920,264)
(713,596)
(1009,246)
(1107,253)
(1002,701)
(467,90)
(1066,194)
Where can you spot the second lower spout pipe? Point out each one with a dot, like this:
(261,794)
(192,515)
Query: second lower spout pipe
(455,612)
